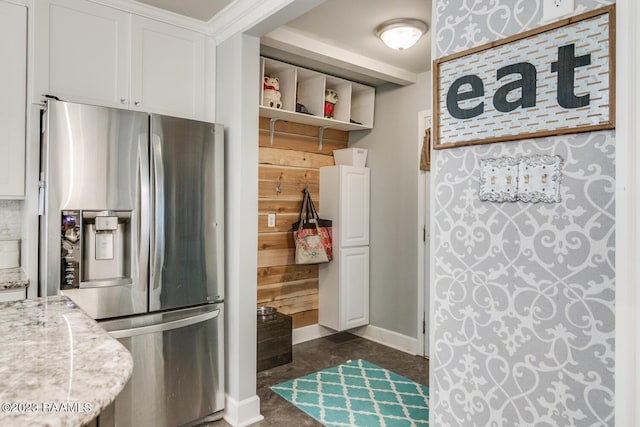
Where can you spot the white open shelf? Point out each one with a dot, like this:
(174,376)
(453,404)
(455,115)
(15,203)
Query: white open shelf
(307,87)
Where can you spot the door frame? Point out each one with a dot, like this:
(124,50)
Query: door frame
(422,346)
(627,253)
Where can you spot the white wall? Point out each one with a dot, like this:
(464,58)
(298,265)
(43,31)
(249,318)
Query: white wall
(394,167)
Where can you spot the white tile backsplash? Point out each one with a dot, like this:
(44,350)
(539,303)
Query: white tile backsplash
(10,219)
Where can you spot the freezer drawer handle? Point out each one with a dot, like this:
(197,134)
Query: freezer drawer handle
(167,326)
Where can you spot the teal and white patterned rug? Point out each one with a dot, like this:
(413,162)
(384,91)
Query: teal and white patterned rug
(359,393)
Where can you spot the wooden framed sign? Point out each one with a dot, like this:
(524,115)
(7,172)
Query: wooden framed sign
(553,80)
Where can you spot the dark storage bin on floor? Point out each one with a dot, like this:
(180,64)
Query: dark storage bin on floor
(274,341)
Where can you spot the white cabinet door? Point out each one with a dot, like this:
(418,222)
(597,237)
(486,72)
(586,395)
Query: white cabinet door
(167,74)
(354,287)
(354,206)
(82,52)
(13,85)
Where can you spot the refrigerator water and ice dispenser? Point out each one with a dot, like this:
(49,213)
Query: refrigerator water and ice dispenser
(95,248)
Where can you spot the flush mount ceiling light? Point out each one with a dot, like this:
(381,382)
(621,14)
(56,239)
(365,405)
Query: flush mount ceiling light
(400,34)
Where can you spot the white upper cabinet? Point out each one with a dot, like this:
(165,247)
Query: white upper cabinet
(81,52)
(168,68)
(90,53)
(13,85)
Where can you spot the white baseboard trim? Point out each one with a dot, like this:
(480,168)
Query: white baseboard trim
(373,333)
(308,333)
(244,413)
(389,338)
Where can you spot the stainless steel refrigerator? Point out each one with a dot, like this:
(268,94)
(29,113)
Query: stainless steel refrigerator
(131,230)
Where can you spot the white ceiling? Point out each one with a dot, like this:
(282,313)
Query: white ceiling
(337,37)
(351,25)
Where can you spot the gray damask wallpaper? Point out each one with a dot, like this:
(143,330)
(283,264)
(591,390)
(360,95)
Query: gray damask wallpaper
(523,319)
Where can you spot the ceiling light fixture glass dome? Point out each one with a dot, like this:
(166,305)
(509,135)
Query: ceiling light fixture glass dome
(401,33)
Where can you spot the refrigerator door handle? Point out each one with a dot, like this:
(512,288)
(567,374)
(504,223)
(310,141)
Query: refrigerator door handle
(219,149)
(166,326)
(143,211)
(157,240)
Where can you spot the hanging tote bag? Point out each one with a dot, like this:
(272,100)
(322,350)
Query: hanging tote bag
(312,235)
(323,227)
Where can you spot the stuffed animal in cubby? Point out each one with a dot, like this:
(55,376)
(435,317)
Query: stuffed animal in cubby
(330,100)
(271,92)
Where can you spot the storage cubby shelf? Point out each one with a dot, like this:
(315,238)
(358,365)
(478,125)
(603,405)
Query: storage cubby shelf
(307,87)
(306,119)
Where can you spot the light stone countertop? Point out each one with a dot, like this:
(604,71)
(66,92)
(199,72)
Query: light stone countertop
(58,367)
(13,278)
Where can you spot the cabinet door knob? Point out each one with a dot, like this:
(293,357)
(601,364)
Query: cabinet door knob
(123,100)
(137,103)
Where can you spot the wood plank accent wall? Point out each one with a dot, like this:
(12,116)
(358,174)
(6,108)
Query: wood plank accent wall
(293,161)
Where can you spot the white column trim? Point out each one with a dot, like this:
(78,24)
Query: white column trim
(627,321)
(237,68)
(244,413)
(423,205)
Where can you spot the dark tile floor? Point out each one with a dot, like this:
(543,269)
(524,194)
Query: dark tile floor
(319,354)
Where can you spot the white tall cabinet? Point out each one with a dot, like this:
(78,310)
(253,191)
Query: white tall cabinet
(13,86)
(344,282)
